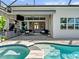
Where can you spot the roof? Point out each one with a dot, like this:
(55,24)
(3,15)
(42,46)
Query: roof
(39,3)
(45,6)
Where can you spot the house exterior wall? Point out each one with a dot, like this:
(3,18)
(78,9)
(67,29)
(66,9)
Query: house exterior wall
(54,23)
(69,13)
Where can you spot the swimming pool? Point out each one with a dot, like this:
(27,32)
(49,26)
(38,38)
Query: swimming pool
(59,51)
(14,51)
(51,51)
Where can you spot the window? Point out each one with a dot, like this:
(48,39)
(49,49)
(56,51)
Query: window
(30,18)
(63,23)
(76,26)
(77,20)
(42,18)
(70,23)
(36,18)
(63,20)
(63,26)
(67,23)
(70,26)
(70,20)
(76,23)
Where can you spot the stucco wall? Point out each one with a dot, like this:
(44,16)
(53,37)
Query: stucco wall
(64,12)
(55,21)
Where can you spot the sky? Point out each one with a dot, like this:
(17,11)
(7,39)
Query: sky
(41,2)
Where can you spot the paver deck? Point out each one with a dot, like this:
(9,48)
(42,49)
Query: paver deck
(36,52)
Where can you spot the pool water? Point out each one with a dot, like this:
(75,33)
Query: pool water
(59,51)
(13,52)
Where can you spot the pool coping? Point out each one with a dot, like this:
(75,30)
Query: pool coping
(54,44)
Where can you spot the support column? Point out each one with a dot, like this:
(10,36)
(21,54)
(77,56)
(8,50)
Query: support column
(28,25)
(46,23)
(51,25)
(20,24)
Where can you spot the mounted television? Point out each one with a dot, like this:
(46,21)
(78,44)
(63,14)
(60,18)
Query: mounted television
(20,17)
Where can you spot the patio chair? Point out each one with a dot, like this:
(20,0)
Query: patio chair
(14,51)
